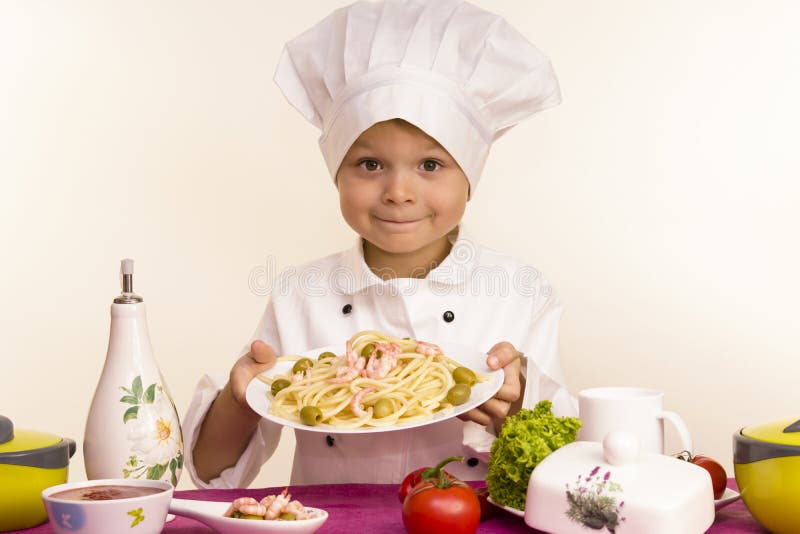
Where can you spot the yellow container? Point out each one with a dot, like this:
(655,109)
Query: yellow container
(30,461)
(766,463)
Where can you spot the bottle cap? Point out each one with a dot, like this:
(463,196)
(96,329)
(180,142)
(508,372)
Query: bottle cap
(126,278)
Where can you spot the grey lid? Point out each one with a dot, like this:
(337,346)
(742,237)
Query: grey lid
(51,457)
(748,450)
(6,429)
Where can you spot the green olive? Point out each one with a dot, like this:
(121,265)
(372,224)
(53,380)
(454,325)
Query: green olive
(325,355)
(279,384)
(287,516)
(310,415)
(458,394)
(382,408)
(367,350)
(301,365)
(463,375)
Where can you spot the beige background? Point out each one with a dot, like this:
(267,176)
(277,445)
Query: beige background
(659,198)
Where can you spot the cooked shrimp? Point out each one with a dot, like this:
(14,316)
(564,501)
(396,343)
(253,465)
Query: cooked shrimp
(355,403)
(275,504)
(351,354)
(428,349)
(380,367)
(271,507)
(247,506)
(354,367)
(345,374)
(296,508)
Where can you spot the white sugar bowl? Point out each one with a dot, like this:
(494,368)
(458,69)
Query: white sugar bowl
(613,487)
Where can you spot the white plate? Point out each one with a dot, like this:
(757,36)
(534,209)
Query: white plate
(258,398)
(210,513)
(518,513)
(728,497)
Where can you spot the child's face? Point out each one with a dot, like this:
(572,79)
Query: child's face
(400,190)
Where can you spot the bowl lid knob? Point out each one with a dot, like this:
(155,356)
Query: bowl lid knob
(620,447)
(6,429)
(794,427)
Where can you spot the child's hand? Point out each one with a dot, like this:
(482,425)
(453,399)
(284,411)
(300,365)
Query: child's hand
(260,358)
(494,411)
(229,422)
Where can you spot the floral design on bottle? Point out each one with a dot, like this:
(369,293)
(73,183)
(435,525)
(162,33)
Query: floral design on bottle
(155,433)
(593,503)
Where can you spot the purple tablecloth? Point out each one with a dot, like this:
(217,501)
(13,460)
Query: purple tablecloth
(374,508)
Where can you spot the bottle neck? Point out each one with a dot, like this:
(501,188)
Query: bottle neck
(129,329)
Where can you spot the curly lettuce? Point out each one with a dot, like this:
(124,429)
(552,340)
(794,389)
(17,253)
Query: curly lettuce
(525,439)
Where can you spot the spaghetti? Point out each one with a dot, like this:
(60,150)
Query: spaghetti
(379,381)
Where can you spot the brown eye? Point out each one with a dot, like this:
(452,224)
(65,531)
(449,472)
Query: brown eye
(370,165)
(430,165)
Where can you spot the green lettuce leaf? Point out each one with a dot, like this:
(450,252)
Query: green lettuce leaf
(525,439)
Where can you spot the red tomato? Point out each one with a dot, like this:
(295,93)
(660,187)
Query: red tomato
(411,480)
(440,503)
(487,509)
(719,478)
(453,509)
(416,476)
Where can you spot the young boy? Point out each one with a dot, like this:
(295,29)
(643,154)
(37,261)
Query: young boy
(409,97)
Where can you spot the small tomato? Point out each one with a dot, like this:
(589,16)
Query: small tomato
(487,509)
(441,503)
(415,477)
(719,478)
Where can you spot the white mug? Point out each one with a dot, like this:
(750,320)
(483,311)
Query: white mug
(636,410)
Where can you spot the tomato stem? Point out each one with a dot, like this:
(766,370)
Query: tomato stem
(437,476)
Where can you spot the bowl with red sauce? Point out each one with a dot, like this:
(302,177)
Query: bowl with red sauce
(108,505)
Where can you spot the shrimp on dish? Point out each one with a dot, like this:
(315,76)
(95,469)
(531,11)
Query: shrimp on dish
(279,507)
(428,349)
(246,507)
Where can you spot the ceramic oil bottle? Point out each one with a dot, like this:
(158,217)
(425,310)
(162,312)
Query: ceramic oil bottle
(132,430)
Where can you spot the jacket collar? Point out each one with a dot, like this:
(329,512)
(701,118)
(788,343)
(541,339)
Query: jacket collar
(356,276)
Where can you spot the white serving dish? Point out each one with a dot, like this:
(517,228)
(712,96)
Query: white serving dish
(257,393)
(612,487)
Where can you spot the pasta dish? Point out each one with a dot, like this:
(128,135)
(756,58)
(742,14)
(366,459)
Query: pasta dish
(379,381)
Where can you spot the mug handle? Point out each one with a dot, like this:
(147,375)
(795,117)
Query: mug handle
(680,426)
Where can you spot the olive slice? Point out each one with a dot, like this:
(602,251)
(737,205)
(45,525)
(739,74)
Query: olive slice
(464,375)
(301,365)
(278,385)
(311,415)
(458,394)
(382,408)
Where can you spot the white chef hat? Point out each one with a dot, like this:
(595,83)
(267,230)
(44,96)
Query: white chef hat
(461,74)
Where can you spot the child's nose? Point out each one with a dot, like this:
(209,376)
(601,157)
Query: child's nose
(399,187)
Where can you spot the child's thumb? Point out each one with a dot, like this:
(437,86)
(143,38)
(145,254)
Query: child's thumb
(262,353)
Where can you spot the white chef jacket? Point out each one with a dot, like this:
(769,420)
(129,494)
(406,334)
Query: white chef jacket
(476,297)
